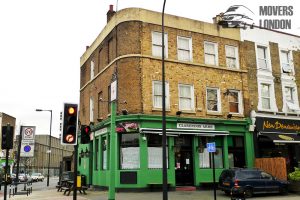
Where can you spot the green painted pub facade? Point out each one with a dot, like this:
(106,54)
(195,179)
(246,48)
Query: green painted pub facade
(138,150)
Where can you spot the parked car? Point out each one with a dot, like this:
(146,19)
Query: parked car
(251,181)
(37,177)
(23,177)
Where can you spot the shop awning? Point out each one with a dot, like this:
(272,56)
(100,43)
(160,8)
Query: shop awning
(175,132)
(281,138)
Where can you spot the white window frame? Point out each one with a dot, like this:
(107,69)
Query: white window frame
(215,53)
(91,109)
(92,69)
(192,97)
(285,107)
(290,61)
(167,95)
(236,51)
(218,99)
(159,37)
(273,106)
(190,50)
(267,57)
(240,102)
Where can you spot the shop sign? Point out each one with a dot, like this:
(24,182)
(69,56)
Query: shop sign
(277,125)
(127,127)
(196,126)
(101,132)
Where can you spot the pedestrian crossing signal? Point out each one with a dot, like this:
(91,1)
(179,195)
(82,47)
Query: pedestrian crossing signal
(85,134)
(69,127)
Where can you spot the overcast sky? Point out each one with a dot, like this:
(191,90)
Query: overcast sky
(41,42)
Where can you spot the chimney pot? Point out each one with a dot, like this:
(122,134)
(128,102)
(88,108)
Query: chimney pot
(111,7)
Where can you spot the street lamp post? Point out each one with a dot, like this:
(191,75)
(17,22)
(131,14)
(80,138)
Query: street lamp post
(49,149)
(164,137)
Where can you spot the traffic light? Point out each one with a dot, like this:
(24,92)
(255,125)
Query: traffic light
(69,129)
(7,137)
(85,134)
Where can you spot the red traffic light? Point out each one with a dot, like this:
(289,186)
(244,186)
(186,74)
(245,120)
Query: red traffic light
(87,130)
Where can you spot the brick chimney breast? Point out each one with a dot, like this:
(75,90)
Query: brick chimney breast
(110,13)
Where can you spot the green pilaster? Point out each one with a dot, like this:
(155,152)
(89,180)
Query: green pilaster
(225,149)
(249,150)
(113,153)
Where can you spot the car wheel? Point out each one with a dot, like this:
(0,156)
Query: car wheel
(248,192)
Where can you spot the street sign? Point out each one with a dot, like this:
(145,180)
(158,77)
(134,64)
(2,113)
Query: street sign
(211,147)
(28,132)
(27,149)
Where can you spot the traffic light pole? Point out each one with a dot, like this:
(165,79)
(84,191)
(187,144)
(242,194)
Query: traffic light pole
(112,155)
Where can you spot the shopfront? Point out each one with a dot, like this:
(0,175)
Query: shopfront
(139,150)
(278,136)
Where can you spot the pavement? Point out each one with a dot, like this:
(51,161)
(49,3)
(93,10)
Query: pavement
(52,194)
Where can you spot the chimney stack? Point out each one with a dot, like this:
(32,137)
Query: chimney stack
(110,13)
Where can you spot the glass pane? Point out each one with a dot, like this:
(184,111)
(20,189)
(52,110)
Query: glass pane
(219,158)
(261,52)
(209,48)
(212,105)
(130,158)
(156,51)
(234,107)
(104,160)
(185,104)
(157,38)
(204,161)
(233,96)
(184,55)
(266,103)
(185,91)
(212,94)
(289,94)
(284,57)
(231,62)
(265,92)
(262,63)
(230,51)
(210,59)
(157,88)
(183,43)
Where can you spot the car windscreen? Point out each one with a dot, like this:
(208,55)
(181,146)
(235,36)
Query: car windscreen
(227,175)
(244,174)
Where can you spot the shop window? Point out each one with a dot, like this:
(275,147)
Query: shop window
(129,151)
(155,151)
(205,159)
(157,44)
(104,153)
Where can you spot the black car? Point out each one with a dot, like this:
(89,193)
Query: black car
(251,181)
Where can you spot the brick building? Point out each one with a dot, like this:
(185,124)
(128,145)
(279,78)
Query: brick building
(273,62)
(207,100)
